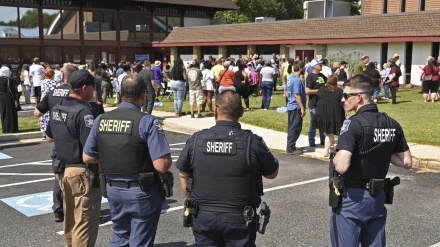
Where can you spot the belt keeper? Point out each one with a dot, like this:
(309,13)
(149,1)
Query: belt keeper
(127,184)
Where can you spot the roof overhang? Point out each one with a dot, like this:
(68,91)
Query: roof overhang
(308,41)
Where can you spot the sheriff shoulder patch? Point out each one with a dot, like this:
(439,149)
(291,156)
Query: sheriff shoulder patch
(158,126)
(345,126)
(89,120)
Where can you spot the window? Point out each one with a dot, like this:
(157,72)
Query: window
(9,21)
(9,54)
(28,53)
(422,5)
(91,26)
(160,28)
(72,54)
(108,26)
(70,25)
(408,57)
(91,55)
(52,54)
(51,23)
(135,27)
(403,6)
(385,7)
(29,25)
(384,53)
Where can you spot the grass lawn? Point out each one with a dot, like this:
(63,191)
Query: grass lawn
(418,119)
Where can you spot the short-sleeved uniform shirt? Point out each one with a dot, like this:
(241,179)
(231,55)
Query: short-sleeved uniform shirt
(295,86)
(260,155)
(150,130)
(314,81)
(44,105)
(351,133)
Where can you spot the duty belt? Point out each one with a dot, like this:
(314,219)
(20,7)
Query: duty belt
(359,184)
(80,165)
(123,184)
(220,209)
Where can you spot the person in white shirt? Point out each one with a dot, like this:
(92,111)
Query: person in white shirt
(326,70)
(36,71)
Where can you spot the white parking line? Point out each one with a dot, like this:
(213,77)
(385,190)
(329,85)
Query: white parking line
(43,163)
(27,182)
(177,144)
(26,174)
(166,210)
(435,245)
(177,149)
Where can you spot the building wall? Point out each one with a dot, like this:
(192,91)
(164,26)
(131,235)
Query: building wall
(370,49)
(432,4)
(421,51)
(191,22)
(412,5)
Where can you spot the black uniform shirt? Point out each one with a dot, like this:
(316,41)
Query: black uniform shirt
(351,133)
(260,155)
(53,98)
(84,123)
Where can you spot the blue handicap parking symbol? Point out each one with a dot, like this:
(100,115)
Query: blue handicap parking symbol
(33,204)
(4,156)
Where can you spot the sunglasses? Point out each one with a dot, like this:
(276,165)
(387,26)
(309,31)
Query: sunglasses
(348,95)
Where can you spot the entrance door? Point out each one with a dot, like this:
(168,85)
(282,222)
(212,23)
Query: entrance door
(302,54)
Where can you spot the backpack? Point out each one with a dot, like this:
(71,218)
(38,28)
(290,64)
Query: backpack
(398,71)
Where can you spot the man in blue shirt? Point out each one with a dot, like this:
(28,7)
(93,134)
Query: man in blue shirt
(296,96)
(132,150)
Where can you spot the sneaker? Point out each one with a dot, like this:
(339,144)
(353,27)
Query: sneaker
(295,152)
(192,116)
(199,116)
(312,144)
(43,138)
(59,217)
(322,143)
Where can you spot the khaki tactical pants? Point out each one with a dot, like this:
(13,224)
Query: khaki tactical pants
(82,206)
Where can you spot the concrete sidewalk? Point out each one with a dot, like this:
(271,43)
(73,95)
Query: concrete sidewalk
(424,156)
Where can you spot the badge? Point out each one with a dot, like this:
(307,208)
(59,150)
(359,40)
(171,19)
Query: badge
(345,126)
(89,120)
(158,126)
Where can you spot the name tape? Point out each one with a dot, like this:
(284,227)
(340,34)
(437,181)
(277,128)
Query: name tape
(220,147)
(384,135)
(115,126)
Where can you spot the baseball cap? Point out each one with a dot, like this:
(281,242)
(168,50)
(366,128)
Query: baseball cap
(315,62)
(79,78)
(291,60)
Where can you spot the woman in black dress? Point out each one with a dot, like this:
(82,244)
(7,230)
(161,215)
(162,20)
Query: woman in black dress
(241,84)
(8,102)
(329,111)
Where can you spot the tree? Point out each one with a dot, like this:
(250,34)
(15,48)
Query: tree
(280,9)
(30,20)
(249,9)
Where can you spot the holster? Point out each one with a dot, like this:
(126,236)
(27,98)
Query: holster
(93,175)
(389,189)
(103,185)
(58,166)
(145,180)
(167,182)
(336,185)
(188,212)
(375,186)
(262,219)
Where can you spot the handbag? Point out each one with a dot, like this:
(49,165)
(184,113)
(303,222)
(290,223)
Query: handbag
(19,88)
(428,77)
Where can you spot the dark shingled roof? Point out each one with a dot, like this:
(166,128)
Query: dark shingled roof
(368,27)
(216,4)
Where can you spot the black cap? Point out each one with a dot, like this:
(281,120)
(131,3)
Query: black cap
(79,78)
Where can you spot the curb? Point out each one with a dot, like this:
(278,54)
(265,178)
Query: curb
(20,136)
(426,164)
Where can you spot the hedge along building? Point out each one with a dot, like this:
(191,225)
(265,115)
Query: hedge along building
(83,31)
(379,36)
